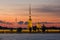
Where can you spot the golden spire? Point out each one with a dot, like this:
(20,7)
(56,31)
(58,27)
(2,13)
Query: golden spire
(30,12)
(30,20)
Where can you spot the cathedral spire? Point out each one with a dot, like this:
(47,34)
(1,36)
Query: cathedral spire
(30,12)
(30,20)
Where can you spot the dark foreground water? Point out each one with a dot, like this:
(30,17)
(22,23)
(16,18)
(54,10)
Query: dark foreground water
(49,36)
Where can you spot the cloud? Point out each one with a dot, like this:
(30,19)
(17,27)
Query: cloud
(21,22)
(5,22)
(8,23)
(50,8)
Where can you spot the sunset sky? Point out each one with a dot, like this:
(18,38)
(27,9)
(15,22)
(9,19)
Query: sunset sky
(42,10)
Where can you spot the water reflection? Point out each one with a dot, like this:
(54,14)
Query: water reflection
(30,36)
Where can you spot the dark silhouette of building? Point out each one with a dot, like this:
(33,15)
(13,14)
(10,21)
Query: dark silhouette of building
(11,29)
(34,28)
(43,28)
(19,30)
(38,26)
(1,27)
(30,29)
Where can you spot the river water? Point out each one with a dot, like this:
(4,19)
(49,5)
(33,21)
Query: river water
(26,36)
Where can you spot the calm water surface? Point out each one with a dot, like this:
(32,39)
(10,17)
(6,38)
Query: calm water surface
(49,36)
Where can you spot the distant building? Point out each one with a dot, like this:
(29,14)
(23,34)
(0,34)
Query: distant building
(38,26)
(30,20)
(43,28)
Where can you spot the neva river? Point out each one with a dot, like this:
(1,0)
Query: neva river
(26,36)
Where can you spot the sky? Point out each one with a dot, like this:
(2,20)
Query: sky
(42,10)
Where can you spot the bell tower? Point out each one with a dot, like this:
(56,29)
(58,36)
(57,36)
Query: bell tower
(30,20)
